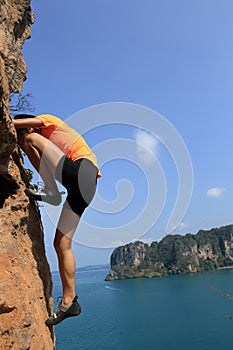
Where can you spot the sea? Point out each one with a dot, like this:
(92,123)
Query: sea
(181,312)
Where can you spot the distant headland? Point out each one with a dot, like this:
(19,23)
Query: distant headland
(174,254)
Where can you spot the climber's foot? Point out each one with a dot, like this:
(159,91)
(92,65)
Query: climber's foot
(74,309)
(45,195)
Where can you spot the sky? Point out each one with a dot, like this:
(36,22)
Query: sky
(174,58)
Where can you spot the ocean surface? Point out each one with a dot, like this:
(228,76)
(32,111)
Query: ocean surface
(184,312)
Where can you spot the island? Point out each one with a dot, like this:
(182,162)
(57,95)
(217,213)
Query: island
(174,254)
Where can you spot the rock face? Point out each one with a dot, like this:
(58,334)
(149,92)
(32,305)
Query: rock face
(132,255)
(25,278)
(207,250)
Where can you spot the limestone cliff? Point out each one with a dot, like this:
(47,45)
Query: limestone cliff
(207,250)
(25,278)
(132,255)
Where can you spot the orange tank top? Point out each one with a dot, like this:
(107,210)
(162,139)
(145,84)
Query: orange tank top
(68,140)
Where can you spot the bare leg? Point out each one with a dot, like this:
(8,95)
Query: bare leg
(63,245)
(43,155)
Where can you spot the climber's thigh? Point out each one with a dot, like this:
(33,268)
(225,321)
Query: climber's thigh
(48,151)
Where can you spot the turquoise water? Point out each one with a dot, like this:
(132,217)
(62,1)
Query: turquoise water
(171,313)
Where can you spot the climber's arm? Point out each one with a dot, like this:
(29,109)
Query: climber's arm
(27,123)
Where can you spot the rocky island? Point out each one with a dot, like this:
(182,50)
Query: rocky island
(174,254)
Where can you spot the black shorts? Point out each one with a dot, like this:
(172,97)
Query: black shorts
(79,178)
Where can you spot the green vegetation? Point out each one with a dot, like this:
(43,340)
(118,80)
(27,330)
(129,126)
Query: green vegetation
(29,174)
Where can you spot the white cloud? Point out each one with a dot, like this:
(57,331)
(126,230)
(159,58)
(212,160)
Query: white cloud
(215,192)
(118,243)
(183,226)
(147,146)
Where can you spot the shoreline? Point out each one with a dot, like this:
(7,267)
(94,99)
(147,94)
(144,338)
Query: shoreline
(225,267)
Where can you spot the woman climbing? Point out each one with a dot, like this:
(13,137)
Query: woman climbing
(60,153)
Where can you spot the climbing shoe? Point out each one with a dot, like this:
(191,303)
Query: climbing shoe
(45,195)
(64,312)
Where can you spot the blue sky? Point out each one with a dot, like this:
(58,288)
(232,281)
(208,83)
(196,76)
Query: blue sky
(174,57)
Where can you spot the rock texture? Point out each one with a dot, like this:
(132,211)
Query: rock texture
(25,278)
(132,255)
(207,250)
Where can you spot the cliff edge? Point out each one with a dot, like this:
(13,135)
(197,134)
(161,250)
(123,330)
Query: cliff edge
(25,278)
